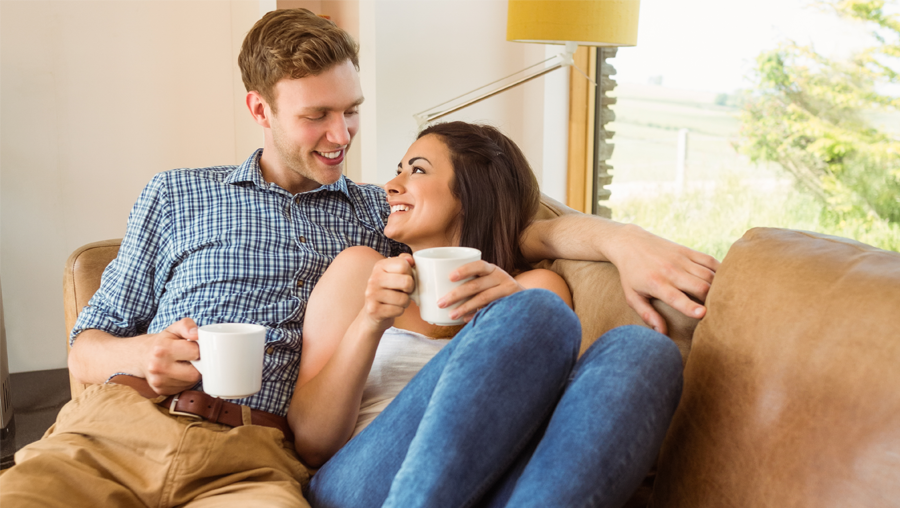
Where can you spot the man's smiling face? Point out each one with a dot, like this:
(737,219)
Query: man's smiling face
(316,118)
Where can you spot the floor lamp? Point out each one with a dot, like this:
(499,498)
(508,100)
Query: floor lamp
(571,23)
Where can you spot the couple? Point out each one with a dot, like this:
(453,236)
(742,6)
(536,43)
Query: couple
(249,243)
(498,413)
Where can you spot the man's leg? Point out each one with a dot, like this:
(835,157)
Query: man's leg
(104,447)
(61,477)
(465,416)
(606,431)
(113,447)
(251,493)
(244,466)
(236,467)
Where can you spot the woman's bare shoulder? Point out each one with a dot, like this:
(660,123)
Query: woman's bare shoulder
(352,264)
(358,253)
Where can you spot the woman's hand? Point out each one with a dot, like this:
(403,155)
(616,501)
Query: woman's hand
(490,283)
(388,289)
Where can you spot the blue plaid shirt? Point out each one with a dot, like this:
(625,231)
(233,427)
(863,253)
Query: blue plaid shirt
(221,245)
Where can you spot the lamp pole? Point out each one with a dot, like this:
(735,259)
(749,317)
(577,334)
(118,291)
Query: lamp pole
(566,59)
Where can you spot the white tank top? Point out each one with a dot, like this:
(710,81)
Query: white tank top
(401,354)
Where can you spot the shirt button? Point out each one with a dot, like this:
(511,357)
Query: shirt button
(270,350)
(302,239)
(299,283)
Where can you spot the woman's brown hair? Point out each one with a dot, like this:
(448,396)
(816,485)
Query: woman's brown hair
(496,188)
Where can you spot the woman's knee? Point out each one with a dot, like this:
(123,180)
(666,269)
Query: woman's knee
(644,359)
(654,352)
(538,304)
(541,314)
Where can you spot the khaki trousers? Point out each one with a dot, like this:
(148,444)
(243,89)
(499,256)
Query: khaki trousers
(112,447)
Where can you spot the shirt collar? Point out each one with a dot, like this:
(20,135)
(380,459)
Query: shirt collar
(250,171)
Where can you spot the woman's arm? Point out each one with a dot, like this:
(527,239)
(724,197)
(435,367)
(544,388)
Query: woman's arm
(356,299)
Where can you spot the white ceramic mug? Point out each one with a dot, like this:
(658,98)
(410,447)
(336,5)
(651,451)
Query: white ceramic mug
(231,359)
(432,274)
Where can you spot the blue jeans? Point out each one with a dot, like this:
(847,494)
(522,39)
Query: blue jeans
(504,415)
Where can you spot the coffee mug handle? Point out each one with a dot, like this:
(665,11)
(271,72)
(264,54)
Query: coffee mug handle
(197,365)
(415,292)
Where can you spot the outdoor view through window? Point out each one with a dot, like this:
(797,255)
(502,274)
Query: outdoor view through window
(779,113)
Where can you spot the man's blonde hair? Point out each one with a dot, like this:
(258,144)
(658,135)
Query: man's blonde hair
(292,43)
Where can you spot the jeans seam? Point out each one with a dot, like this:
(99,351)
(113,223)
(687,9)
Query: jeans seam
(491,481)
(517,450)
(545,417)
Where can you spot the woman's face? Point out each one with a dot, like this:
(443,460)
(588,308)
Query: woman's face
(424,212)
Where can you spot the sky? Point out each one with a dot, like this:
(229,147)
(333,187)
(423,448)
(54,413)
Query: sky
(711,45)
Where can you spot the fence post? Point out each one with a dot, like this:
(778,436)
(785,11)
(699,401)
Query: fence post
(681,162)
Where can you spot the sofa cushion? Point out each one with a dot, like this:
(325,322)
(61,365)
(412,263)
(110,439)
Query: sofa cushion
(600,303)
(792,389)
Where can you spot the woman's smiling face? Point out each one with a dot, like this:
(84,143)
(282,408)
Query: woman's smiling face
(424,211)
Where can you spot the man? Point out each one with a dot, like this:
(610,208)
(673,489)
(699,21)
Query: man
(247,243)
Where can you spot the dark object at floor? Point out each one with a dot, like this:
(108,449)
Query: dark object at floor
(8,444)
(37,398)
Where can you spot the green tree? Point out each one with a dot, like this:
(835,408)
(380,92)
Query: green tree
(810,114)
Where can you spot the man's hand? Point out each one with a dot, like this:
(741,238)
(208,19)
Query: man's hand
(653,267)
(166,358)
(163,359)
(649,266)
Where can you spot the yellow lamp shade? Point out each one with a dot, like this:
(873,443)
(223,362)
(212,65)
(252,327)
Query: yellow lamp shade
(586,22)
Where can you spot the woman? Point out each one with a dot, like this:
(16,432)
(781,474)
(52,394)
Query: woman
(501,415)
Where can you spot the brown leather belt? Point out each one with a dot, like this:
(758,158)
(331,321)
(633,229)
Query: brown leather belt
(200,405)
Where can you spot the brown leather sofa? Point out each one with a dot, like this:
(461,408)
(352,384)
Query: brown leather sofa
(792,380)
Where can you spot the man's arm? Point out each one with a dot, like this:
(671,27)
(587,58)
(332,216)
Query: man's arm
(162,358)
(108,336)
(649,266)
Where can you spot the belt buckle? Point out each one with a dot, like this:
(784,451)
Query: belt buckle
(173,412)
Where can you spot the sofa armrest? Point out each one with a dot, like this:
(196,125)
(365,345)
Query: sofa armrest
(81,280)
(791,391)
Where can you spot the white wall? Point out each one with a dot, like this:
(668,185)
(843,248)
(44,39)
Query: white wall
(556,130)
(97,96)
(426,52)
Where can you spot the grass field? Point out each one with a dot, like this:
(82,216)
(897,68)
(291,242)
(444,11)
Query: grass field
(723,193)
(648,119)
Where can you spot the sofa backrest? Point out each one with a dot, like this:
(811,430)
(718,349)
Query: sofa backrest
(792,390)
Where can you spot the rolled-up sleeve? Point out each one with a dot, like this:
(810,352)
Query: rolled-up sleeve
(132,283)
